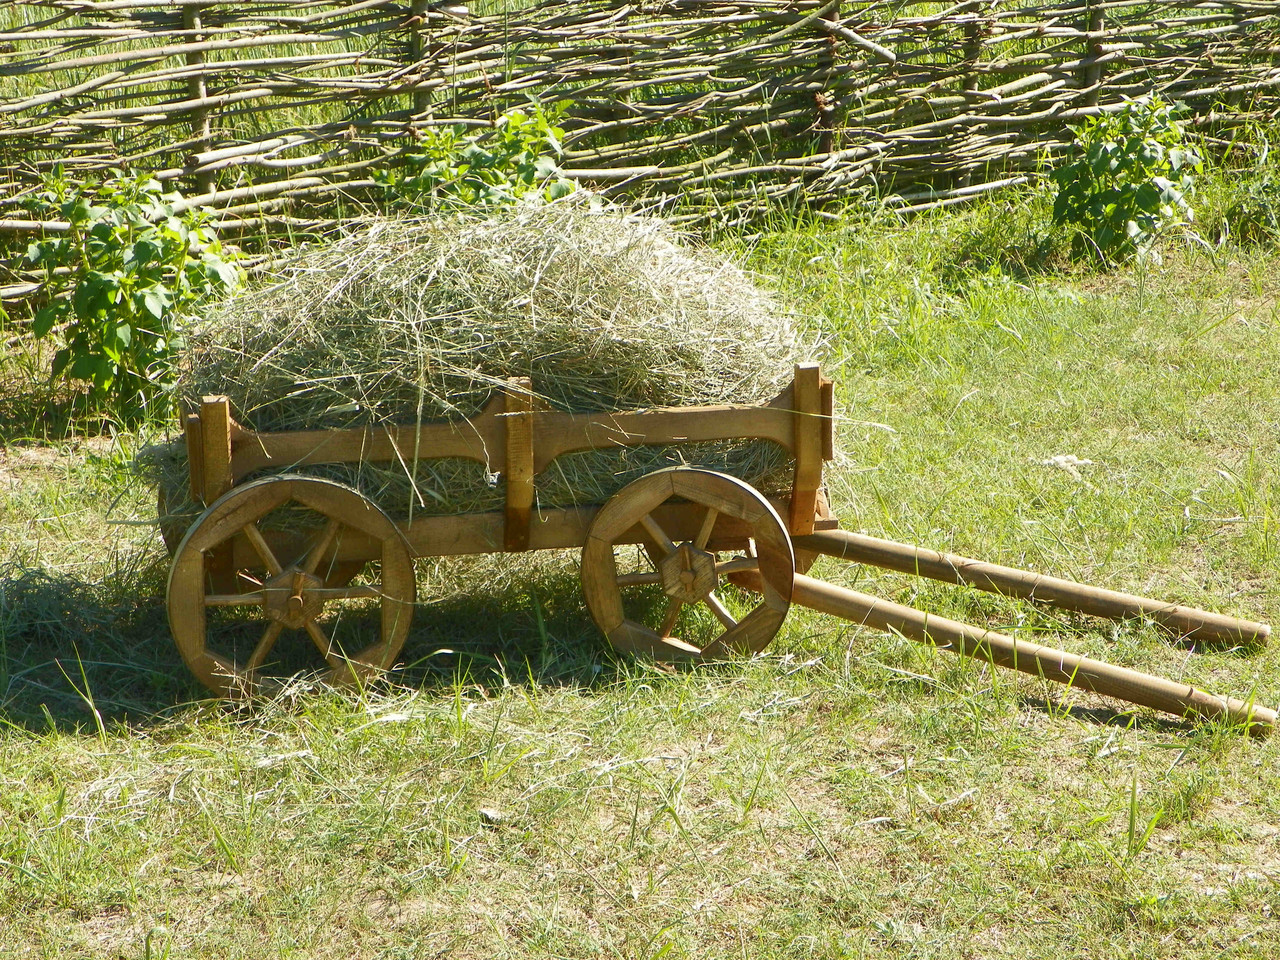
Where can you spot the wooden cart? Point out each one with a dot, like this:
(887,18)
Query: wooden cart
(292,553)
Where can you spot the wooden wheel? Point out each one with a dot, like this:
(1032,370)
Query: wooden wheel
(689,571)
(173,527)
(284,583)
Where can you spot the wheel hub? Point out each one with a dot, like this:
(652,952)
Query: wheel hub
(289,598)
(688,574)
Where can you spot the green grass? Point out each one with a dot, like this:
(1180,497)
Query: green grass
(519,792)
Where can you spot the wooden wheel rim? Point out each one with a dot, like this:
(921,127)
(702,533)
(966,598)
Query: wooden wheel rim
(721,493)
(245,505)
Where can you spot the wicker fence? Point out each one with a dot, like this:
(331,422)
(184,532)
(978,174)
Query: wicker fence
(268,109)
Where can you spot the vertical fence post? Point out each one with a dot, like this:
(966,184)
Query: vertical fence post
(1091,74)
(201,125)
(825,100)
(419,45)
(972,46)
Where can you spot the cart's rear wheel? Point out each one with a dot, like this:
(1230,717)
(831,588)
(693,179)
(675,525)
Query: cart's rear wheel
(174,526)
(685,579)
(263,561)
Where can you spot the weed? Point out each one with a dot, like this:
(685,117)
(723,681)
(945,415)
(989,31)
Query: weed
(119,283)
(1133,180)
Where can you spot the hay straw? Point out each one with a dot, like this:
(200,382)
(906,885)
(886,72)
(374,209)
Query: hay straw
(411,320)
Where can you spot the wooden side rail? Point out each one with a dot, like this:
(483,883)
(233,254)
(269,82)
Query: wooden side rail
(799,419)
(462,534)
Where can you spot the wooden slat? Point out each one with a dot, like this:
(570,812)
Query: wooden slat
(558,529)
(811,426)
(215,447)
(481,438)
(518,471)
(561,433)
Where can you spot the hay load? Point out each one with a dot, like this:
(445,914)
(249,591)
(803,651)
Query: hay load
(410,320)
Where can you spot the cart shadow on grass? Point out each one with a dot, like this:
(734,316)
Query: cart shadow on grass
(70,647)
(74,653)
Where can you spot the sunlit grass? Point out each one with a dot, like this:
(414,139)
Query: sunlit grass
(518,792)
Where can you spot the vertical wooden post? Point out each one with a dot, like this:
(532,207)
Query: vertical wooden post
(825,100)
(518,472)
(1091,73)
(809,446)
(216,478)
(195,455)
(972,47)
(201,126)
(215,447)
(419,45)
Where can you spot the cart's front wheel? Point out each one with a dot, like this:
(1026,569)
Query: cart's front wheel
(698,528)
(276,543)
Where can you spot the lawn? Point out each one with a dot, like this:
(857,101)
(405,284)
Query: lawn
(517,791)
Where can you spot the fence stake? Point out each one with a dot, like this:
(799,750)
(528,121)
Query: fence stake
(419,44)
(201,125)
(1091,75)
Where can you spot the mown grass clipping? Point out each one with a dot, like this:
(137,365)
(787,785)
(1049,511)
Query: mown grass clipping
(412,320)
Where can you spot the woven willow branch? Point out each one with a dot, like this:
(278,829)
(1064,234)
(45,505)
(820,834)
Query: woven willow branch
(711,109)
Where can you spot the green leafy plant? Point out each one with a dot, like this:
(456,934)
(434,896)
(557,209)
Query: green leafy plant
(492,168)
(1254,215)
(1132,180)
(119,282)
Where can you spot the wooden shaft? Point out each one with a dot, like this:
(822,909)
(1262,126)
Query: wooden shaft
(1186,622)
(1056,665)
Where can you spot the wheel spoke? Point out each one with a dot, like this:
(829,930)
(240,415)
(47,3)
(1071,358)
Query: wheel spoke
(737,565)
(638,579)
(669,621)
(255,597)
(254,536)
(321,546)
(362,592)
(664,542)
(264,646)
(719,609)
(708,524)
(321,640)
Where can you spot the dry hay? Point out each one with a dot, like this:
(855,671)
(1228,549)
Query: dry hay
(412,320)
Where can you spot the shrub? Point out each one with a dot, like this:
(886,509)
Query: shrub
(120,281)
(1132,180)
(458,167)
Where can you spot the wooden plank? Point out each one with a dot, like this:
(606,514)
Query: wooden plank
(558,529)
(215,447)
(810,426)
(195,455)
(561,433)
(518,472)
(481,438)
